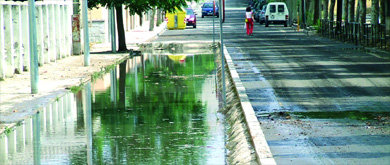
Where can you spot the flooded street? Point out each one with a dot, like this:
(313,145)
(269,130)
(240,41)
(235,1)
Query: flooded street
(151,109)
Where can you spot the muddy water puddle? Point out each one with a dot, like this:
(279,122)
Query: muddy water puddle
(151,109)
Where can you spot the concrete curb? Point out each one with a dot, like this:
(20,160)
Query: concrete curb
(263,152)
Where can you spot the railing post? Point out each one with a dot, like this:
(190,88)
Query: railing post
(17,26)
(25,33)
(62,29)
(34,74)
(9,39)
(46,33)
(52,29)
(68,29)
(57,30)
(111,20)
(86,33)
(2,49)
(40,37)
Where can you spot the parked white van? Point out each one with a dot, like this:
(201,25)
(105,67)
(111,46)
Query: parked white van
(276,13)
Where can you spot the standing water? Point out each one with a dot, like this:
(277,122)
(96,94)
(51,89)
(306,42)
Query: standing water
(151,109)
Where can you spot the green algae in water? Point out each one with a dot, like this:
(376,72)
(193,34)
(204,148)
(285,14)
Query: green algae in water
(165,114)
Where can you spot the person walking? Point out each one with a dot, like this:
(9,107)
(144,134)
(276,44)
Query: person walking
(249,21)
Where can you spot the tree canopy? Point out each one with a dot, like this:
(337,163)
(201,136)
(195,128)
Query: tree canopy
(140,6)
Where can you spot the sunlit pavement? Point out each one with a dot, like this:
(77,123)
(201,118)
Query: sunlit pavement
(319,101)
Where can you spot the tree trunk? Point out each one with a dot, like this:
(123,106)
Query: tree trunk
(303,13)
(325,4)
(363,6)
(339,10)
(122,85)
(357,18)
(382,11)
(307,5)
(331,10)
(308,12)
(339,17)
(151,22)
(351,10)
(345,10)
(120,28)
(375,12)
(158,17)
(141,19)
(316,11)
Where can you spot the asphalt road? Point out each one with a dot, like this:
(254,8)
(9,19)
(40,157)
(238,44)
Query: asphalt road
(319,101)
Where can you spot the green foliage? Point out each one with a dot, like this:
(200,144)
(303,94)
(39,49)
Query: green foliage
(76,89)
(318,26)
(7,130)
(310,18)
(140,6)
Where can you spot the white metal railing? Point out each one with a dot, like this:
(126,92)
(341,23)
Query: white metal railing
(54,34)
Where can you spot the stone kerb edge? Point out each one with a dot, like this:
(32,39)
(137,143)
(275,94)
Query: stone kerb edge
(263,152)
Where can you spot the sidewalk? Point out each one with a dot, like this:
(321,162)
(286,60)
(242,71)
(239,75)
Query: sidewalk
(17,102)
(134,37)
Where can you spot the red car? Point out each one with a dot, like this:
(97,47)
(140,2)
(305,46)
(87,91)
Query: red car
(190,17)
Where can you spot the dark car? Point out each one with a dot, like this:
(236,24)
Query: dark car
(256,8)
(262,14)
(207,10)
(190,18)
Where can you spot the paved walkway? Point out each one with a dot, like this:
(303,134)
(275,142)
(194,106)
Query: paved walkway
(16,100)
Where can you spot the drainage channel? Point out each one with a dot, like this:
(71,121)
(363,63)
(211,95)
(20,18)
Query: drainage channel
(151,109)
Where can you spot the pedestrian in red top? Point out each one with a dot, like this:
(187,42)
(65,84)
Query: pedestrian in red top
(249,21)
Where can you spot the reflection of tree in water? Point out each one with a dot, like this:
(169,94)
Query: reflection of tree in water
(162,123)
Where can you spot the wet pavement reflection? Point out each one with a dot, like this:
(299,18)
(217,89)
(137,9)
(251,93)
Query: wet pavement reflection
(151,109)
